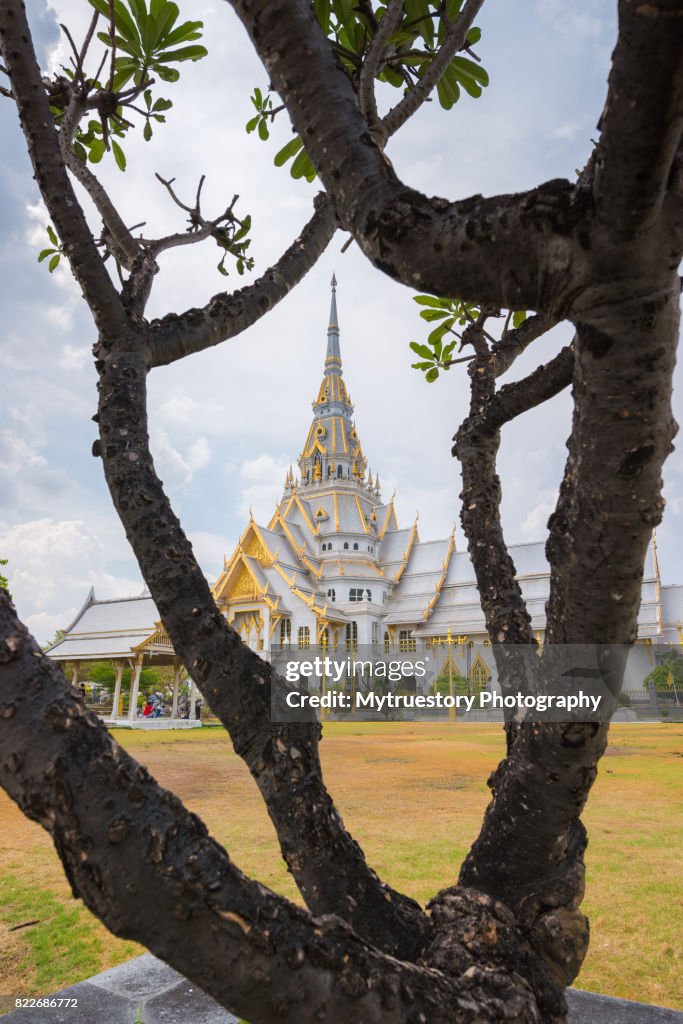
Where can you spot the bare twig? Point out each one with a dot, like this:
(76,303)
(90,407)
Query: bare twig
(88,38)
(373,59)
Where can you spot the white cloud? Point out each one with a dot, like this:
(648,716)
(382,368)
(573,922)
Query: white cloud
(177,469)
(51,567)
(264,478)
(74,357)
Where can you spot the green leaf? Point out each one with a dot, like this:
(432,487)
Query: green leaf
(162,104)
(470,69)
(302,166)
(473,36)
(438,332)
(519,317)
(422,366)
(52,265)
(422,350)
(52,235)
(288,151)
(431,375)
(45,253)
(447,90)
(147,131)
(251,124)
(433,314)
(97,151)
(322,12)
(263,129)
(167,74)
(184,53)
(80,151)
(427,300)
(119,155)
(184,33)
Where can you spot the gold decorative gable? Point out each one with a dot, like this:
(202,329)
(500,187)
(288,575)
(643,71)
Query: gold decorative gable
(257,550)
(243,586)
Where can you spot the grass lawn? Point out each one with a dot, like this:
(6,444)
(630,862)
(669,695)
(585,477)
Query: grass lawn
(413,794)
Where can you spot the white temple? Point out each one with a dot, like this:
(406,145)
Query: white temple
(333,565)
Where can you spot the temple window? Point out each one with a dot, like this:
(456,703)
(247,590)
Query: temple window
(352,637)
(331,593)
(304,638)
(285,631)
(346,545)
(407,644)
(355,547)
(387,643)
(368,596)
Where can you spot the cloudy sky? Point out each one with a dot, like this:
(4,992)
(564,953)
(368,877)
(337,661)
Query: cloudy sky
(227,423)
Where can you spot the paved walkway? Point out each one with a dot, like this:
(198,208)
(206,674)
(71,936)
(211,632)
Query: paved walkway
(146,990)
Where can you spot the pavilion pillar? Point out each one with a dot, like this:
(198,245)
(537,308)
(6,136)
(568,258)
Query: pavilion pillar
(116,710)
(176,683)
(193,699)
(74,675)
(135,687)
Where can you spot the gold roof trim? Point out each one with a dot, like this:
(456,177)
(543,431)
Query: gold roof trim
(360,513)
(406,554)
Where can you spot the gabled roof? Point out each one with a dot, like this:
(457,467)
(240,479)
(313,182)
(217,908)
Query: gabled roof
(107,629)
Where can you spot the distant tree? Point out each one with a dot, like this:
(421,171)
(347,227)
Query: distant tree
(3,579)
(668,675)
(601,251)
(58,635)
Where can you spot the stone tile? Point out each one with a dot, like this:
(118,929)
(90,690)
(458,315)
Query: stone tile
(165,997)
(184,1003)
(588,1008)
(139,979)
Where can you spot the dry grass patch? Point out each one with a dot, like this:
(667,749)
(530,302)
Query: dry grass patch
(413,795)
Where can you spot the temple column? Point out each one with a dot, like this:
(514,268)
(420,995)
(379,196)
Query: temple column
(116,710)
(193,700)
(176,683)
(135,687)
(74,675)
(266,631)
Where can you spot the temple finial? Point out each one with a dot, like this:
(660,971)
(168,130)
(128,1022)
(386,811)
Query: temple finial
(333,356)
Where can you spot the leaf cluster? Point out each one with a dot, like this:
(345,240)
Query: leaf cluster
(232,237)
(437,351)
(141,43)
(148,41)
(434,354)
(409,53)
(55,251)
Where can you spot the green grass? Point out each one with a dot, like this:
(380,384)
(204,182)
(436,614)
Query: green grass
(64,943)
(413,795)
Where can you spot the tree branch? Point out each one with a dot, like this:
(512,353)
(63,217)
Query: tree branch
(43,146)
(327,864)
(124,246)
(373,59)
(643,118)
(515,341)
(226,315)
(149,870)
(510,251)
(454,40)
